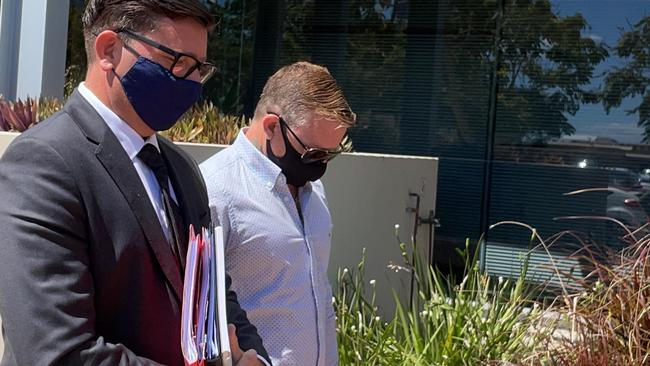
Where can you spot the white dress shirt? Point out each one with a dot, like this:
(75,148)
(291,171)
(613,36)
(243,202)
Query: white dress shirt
(278,265)
(132,143)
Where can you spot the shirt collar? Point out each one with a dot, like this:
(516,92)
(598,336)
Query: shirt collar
(269,173)
(130,140)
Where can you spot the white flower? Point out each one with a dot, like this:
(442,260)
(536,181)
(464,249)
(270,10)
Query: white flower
(372,282)
(345,270)
(333,300)
(396,267)
(396,226)
(377,319)
(500,280)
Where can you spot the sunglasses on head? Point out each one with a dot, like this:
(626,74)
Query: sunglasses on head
(311,154)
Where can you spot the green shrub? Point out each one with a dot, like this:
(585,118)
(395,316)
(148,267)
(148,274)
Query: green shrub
(204,123)
(482,320)
(364,338)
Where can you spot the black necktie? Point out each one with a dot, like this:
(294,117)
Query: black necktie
(154,160)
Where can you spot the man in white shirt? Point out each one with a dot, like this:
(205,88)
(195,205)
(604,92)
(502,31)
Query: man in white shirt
(266,192)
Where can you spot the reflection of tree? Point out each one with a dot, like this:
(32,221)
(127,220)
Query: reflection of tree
(545,65)
(544,68)
(231,48)
(374,68)
(376,53)
(362,42)
(75,62)
(633,79)
(298,17)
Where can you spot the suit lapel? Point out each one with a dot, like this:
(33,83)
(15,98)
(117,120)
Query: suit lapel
(118,165)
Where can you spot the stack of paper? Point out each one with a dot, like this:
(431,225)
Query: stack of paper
(204,327)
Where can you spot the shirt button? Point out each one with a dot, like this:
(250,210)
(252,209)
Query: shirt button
(269,184)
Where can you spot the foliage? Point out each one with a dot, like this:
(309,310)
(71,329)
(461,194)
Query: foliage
(611,316)
(376,58)
(482,320)
(363,337)
(633,79)
(605,315)
(479,321)
(20,115)
(204,123)
(544,65)
(75,68)
(600,319)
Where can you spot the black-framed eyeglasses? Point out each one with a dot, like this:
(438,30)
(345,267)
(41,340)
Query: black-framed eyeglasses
(311,154)
(183,66)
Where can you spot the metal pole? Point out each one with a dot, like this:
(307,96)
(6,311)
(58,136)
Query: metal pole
(491,130)
(10,15)
(41,62)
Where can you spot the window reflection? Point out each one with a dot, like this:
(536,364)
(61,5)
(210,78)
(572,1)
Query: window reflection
(527,100)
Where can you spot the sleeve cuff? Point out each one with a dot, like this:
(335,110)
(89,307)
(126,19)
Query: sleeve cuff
(264,361)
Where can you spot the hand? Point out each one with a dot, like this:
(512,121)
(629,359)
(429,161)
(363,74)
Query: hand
(239,358)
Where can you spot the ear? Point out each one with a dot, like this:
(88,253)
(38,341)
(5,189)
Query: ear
(108,50)
(270,125)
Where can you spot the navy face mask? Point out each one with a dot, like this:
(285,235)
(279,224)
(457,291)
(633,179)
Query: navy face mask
(296,172)
(157,96)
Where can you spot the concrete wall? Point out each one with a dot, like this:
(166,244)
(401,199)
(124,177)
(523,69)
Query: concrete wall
(367,194)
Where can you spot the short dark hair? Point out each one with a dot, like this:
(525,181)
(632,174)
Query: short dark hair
(137,15)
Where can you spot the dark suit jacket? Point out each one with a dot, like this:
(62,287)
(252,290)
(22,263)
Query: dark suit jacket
(86,275)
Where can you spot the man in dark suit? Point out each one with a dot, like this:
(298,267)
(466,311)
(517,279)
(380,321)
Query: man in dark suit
(95,205)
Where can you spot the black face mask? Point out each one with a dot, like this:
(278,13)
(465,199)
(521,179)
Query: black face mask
(296,172)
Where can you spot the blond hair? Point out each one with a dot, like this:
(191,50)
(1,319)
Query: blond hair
(304,89)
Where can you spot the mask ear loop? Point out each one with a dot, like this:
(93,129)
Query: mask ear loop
(116,75)
(283,132)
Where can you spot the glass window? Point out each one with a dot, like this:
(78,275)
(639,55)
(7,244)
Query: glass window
(527,103)
(524,101)
(570,128)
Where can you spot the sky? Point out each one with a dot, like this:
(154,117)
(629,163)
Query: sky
(605,18)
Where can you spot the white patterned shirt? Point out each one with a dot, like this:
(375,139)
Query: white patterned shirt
(278,265)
